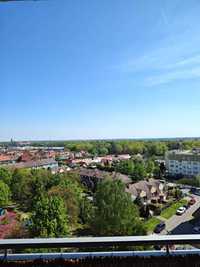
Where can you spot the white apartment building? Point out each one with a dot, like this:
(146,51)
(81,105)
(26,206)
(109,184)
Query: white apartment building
(185,163)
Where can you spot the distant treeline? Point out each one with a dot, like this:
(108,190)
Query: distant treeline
(105,147)
(155,147)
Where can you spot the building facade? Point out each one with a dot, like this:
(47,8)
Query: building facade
(148,190)
(185,163)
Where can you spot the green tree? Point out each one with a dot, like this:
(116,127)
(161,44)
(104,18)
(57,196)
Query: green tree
(156,148)
(4,194)
(197,180)
(28,185)
(150,166)
(21,187)
(94,151)
(6,176)
(103,151)
(139,172)
(41,182)
(125,167)
(86,211)
(71,193)
(49,218)
(115,214)
(116,148)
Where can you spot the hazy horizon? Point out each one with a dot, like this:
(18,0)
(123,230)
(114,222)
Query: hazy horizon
(101,139)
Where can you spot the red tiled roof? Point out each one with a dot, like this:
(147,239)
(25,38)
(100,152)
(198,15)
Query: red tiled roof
(5,158)
(25,157)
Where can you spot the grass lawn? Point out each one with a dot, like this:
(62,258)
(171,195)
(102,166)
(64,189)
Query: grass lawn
(169,212)
(151,224)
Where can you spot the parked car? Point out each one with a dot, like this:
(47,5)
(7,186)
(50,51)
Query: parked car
(186,206)
(196,230)
(180,211)
(193,190)
(192,201)
(159,227)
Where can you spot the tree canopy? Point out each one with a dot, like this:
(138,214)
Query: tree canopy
(71,193)
(49,218)
(5,194)
(5,175)
(114,214)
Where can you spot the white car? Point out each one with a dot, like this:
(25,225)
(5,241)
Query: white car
(181,210)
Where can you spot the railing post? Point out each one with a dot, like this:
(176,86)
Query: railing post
(5,254)
(167,249)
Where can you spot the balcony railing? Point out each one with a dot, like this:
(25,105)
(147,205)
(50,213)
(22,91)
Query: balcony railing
(8,245)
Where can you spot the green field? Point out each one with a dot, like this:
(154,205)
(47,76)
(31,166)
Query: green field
(169,212)
(151,224)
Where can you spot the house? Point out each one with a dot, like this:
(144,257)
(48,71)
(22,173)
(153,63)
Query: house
(147,190)
(6,159)
(124,157)
(91,177)
(107,160)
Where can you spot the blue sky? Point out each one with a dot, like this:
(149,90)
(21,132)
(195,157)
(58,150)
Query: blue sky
(99,69)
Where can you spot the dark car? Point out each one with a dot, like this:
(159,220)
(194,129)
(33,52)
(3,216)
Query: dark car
(161,226)
(187,206)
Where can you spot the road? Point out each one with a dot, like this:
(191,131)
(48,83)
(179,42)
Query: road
(180,224)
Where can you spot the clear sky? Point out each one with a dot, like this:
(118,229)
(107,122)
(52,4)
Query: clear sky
(76,69)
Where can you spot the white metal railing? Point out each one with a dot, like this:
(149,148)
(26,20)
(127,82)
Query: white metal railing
(90,242)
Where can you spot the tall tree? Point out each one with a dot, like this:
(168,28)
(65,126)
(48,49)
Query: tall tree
(150,166)
(115,214)
(21,187)
(71,193)
(5,175)
(49,218)
(139,172)
(125,167)
(116,148)
(4,194)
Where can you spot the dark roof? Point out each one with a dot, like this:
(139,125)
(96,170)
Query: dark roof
(103,174)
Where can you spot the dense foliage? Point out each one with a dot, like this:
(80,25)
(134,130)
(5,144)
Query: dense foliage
(102,147)
(57,204)
(114,214)
(5,175)
(71,193)
(118,147)
(5,194)
(188,181)
(44,195)
(49,218)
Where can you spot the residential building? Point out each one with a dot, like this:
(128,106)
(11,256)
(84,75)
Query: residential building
(183,162)
(91,178)
(147,190)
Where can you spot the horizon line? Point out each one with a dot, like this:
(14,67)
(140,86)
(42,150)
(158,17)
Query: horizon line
(100,139)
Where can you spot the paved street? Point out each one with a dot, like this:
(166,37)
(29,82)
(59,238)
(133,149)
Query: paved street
(180,224)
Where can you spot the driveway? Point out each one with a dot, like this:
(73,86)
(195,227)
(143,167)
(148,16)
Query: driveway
(181,224)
